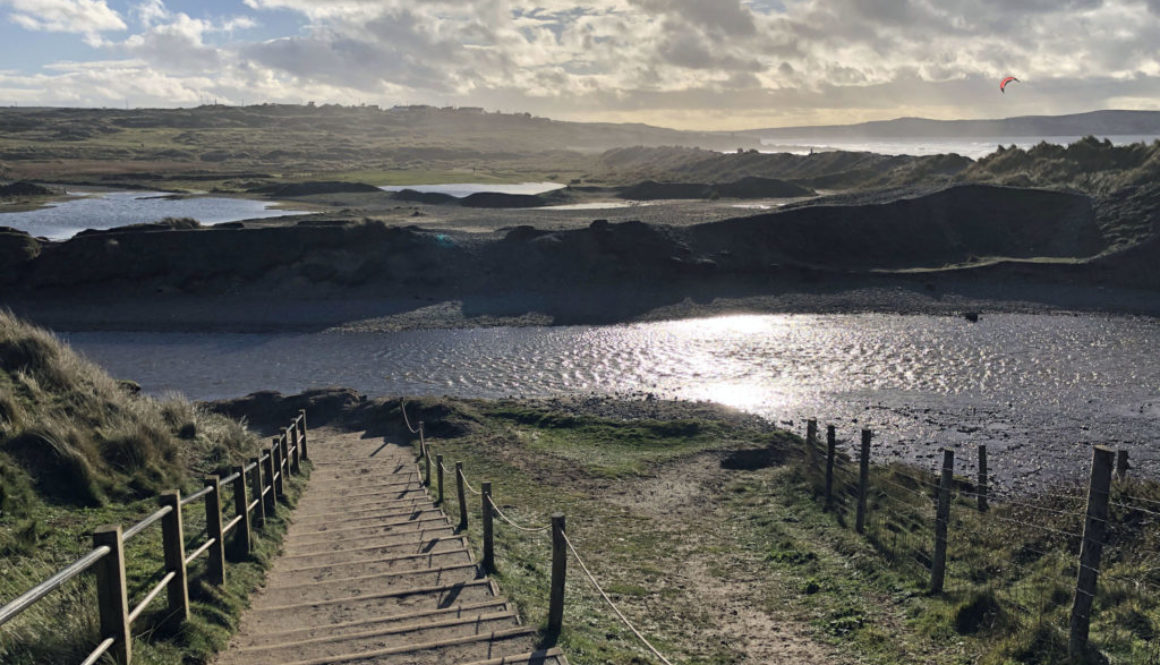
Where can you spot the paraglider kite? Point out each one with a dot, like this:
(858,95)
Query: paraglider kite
(1004,82)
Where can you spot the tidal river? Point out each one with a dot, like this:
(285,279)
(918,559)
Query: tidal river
(1039,390)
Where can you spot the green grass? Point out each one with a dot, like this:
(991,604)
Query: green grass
(79,450)
(760,532)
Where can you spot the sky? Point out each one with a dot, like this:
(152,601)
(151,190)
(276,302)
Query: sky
(690,64)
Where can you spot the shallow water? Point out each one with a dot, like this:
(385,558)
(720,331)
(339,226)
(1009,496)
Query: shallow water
(108,210)
(1037,389)
(462,189)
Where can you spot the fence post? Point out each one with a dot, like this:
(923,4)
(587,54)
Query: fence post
(426,456)
(260,509)
(938,569)
(488,537)
(460,481)
(112,596)
(173,542)
(215,569)
(278,476)
(831,449)
(811,432)
(559,572)
(1094,529)
(268,497)
(982,478)
(284,456)
(302,432)
(439,476)
(863,481)
(295,451)
(1122,464)
(241,543)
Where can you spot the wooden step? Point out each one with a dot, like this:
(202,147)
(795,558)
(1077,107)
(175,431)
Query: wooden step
(320,572)
(373,507)
(472,647)
(551,656)
(338,610)
(364,584)
(273,638)
(362,525)
(439,540)
(401,638)
(403,533)
(361,478)
(327,505)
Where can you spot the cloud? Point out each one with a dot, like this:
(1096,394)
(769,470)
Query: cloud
(85,17)
(719,63)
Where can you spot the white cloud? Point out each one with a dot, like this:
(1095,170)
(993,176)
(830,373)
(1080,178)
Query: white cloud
(724,63)
(86,17)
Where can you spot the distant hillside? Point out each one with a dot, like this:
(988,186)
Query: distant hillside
(824,170)
(1100,123)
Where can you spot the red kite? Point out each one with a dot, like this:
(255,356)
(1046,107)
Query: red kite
(1004,82)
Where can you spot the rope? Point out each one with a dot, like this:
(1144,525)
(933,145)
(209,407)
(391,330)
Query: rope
(507,519)
(610,603)
(403,408)
(469,487)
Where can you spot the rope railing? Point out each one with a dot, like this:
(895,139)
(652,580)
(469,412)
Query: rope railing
(592,579)
(107,558)
(491,509)
(514,524)
(403,408)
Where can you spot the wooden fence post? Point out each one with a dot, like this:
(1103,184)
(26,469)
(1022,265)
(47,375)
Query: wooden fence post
(284,456)
(426,456)
(831,449)
(278,476)
(1094,529)
(982,478)
(112,596)
(268,497)
(460,481)
(302,432)
(215,569)
(488,534)
(938,569)
(559,572)
(241,544)
(863,481)
(173,543)
(260,509)
(811,432)
(439,476)
(1122,464)
(295,450)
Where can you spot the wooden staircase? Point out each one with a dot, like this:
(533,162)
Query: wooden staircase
(373,572)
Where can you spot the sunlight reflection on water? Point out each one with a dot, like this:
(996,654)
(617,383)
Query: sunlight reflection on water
(1031,385)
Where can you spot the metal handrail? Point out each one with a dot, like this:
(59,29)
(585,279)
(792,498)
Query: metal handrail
(9,611)
(145,523)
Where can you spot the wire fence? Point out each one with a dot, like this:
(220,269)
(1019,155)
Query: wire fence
(1028,556)
(1020,556)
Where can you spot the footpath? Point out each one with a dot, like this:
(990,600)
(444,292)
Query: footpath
(373,572)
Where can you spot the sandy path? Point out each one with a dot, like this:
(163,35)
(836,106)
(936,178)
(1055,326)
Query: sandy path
(373,572)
